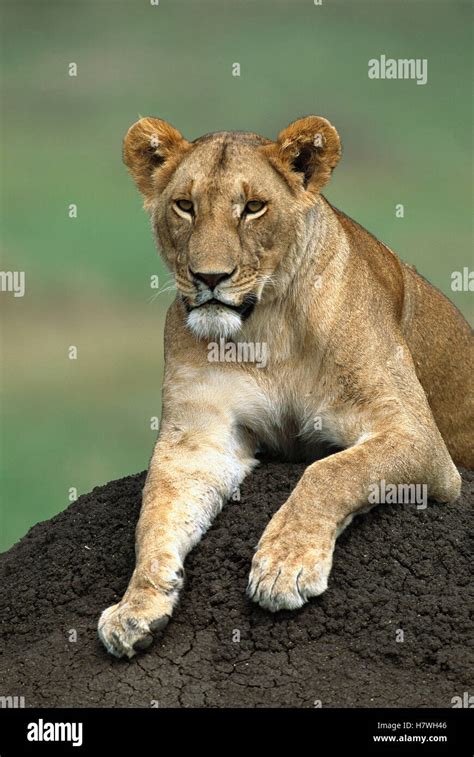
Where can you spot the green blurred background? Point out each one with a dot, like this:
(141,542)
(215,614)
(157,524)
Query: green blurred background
(77,423)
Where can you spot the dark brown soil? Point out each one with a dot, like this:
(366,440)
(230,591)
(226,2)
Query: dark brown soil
(395,568)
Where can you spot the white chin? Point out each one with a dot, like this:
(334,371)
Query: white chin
(213,322)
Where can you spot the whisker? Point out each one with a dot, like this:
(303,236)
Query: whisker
(165,288)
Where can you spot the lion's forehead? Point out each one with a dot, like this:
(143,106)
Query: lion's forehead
(236,137)
(223,163)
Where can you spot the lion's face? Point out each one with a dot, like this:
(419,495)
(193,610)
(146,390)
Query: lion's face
(224,222)
(226,209)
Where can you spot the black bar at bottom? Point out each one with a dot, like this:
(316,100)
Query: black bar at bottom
(382,731)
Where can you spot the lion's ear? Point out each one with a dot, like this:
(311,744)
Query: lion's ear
(311,148)
(152,149)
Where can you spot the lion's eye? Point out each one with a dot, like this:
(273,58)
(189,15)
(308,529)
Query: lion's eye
(185,205)
(254,206)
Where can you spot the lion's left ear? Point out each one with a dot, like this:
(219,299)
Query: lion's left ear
(309,147)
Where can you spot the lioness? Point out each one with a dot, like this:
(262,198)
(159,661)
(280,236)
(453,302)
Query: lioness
(362,353)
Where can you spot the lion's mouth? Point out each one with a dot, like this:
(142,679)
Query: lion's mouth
(244,309)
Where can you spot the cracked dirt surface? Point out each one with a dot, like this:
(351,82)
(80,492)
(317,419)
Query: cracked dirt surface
(396,567)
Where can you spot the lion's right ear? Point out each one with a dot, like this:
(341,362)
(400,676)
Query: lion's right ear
(152,149)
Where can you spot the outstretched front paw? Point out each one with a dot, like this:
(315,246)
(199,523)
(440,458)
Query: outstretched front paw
(290,566)
(131,625)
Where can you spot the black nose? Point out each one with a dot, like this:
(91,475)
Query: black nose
(211,279)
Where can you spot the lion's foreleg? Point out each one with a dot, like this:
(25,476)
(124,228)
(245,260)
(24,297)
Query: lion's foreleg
(294,556)
(197,464)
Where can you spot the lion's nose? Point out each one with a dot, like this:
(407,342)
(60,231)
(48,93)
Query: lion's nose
(211,278)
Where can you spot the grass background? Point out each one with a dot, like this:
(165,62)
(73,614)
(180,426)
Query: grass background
(79,423)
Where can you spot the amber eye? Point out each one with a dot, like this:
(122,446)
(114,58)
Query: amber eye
(185,205)
(254,206)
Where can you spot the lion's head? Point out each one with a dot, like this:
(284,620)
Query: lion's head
(227,208)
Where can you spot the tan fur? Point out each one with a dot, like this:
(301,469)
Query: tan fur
(363,354)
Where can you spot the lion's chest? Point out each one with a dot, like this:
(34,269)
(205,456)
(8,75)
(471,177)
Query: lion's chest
(291,411)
